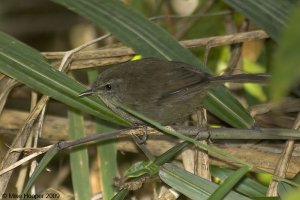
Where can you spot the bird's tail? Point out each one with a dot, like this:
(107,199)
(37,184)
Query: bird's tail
(241,78)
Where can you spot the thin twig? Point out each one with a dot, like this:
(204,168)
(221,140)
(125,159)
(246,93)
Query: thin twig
(202,157)
(60,146)
(236,51)
(38,152)
(201,133)
(69,54)
(283,162)
(6,85)
(101,57)
(92,138)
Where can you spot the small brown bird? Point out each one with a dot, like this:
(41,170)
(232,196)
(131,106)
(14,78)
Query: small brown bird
(165,91)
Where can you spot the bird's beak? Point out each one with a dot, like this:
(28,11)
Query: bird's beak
(87,93)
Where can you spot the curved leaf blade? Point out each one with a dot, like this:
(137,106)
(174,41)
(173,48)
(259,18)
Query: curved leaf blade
(191,185)
(229,183)
(286,70)
(25,64)
(79,159)
(269,15)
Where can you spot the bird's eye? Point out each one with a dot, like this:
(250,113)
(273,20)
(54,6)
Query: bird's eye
(108,87)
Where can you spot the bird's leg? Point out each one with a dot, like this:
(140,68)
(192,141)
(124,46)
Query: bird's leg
(201,121)
(140,142)
(142,138)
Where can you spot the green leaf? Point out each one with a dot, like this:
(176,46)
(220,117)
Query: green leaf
(79,157)
(293,195)
(141,168)
(286,70)
(229,183)
(285,189)
(166,156)
(149,40)
(246,186)
(107,152)
(122,194)
(269,15)
(25,64)
(191,185)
